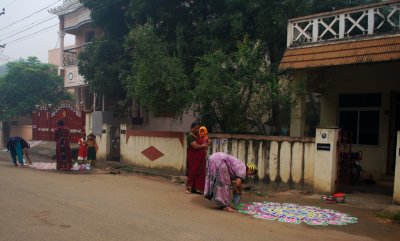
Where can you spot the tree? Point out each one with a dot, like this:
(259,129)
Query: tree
(110,16)
(28,83)
(3,69)
(238,88)
(271,18)
(189,41)
(104,62)
(101,63)
(157,81)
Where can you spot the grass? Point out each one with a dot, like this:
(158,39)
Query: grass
(393,216)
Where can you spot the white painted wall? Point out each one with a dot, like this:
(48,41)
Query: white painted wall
(374,78)
(167,124)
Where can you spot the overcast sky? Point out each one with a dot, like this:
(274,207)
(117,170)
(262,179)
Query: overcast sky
(28,29)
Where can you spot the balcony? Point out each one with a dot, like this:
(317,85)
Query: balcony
(70,55)
(358,35)
(357,22)
(72,78)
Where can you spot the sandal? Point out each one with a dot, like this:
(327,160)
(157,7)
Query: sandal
(198,192)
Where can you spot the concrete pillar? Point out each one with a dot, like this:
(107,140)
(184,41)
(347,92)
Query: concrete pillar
(285,157)
(396,191)
(104,146)
(325,164)
(273,161)
(297,124)
(122,141)
(261,161)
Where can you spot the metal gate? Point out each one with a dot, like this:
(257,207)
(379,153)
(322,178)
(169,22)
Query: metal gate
(115,152)
(344,156)
(45,118)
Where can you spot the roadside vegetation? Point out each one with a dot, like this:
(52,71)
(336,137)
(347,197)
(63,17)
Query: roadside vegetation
(26,83)
(392,216)
(218,59)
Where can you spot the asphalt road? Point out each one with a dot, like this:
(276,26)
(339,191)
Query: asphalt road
(44,205)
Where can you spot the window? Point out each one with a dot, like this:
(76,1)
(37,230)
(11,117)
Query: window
(360,114)
(89,36)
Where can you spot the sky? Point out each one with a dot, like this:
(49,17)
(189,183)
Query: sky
(28,29)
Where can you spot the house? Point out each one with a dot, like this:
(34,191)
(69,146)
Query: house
(351,59)
(102,118)
(74,20)
(19,126)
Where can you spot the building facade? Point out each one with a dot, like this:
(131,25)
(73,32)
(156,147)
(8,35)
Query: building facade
(350,59)
(74,20)
(101,118)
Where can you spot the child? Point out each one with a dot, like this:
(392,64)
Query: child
(83,151)
(92,149)
(203,135)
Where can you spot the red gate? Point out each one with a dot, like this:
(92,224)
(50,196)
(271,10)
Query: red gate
(45,119)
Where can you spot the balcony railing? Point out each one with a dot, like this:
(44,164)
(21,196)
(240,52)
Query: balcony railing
(367,20)
(70,56)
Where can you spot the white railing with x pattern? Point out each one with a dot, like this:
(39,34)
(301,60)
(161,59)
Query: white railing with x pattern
(367,20)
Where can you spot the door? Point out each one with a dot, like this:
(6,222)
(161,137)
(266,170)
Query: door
(394,126)
(115,144)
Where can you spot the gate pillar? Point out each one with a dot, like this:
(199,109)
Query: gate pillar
(396,191)
(325,164)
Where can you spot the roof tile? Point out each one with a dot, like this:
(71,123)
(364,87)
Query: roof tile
(342,53)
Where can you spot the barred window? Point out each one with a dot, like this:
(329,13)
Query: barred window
(360,114)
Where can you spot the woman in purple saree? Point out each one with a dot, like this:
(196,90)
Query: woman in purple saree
(222,170)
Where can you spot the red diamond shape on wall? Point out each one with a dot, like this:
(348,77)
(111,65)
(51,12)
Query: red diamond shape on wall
(152,153)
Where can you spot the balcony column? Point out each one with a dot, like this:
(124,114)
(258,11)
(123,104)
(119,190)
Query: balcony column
(297,124)
(289,34)
(371,20)
(61,35)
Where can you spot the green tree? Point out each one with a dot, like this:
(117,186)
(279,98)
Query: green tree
(3,69)
(271,18)
(28,83)
(197,36)
(239,88)
(101,63)
(110,16)
(157,81)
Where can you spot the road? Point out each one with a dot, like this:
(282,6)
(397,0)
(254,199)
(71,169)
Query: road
(46,205)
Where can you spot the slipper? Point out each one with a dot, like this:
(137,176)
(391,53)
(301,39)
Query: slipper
(198,192)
